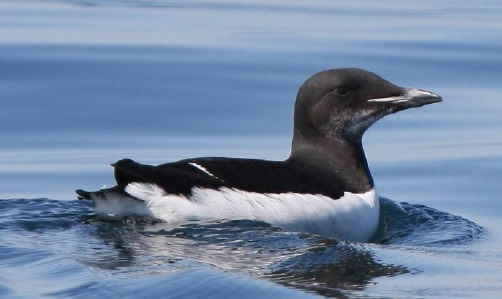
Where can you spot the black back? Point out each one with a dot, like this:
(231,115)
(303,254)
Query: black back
(244,174)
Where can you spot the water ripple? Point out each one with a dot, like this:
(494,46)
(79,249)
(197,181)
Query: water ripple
(64,239)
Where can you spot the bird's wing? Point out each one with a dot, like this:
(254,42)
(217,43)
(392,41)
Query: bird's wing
(176,178)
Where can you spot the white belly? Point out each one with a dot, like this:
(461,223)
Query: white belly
(353,217)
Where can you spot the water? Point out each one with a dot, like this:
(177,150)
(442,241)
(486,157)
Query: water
(85,83)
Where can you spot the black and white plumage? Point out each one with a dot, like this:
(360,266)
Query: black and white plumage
(324,187)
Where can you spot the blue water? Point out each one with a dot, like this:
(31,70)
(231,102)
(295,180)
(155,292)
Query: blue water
(85,83)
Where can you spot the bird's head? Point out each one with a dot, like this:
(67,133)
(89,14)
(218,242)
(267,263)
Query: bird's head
(343,103)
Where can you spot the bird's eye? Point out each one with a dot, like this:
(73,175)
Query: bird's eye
(343,91)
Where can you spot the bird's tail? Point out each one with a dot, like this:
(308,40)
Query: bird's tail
(114,202)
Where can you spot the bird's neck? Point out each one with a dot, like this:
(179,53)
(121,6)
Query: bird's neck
(341,158)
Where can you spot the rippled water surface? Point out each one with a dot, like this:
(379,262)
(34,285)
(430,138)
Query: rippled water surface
(85,83)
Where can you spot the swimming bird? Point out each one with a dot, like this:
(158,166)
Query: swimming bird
(324,187)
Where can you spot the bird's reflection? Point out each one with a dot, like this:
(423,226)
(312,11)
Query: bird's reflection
(143,246)
(302,261)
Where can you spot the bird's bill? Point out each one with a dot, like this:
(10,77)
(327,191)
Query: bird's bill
(411,97)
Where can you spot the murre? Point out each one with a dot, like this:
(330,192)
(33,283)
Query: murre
(324,187)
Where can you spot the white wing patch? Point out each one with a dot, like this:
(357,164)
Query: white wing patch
(203,169)
(353,217)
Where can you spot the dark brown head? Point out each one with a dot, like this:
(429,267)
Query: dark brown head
(343,103)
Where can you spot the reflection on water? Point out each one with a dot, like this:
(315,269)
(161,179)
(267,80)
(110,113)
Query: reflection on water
(140,247)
